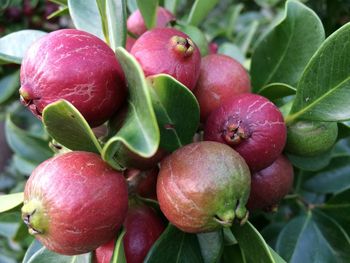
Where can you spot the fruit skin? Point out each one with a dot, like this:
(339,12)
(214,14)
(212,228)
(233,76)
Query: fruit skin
(136,24)
(252,125)
(203,186)
(221,77)
(74,202)
(311,138)
(76,66)
(213,48)
(143,227)
(271,184)
(170,51)
(143,183)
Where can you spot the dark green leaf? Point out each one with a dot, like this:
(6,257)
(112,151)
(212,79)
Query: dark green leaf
(311,163)
(212,245)
(116,13)
(323,90)
(197,36)
(118,254)
(10,201)
(67,126)
(9,85)
(44,255)
(171,5)
(14,45)
(175,246)
(148,10)
(177,111)
(229,238)
(232,51)
(252,244)
(8,224)
(140,132)
(233,254)
(200,10)
(275,91)
(34,247)
(283,54)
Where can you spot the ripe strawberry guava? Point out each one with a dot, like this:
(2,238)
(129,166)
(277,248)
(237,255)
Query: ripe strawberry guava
(143,183)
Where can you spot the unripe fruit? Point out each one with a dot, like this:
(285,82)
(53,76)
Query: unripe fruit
(170,51)
(74,202)
(136,24)
(311,138)
(203,186)
(76,66)
(271,184)
(143,227)
(252,125)
(221,77)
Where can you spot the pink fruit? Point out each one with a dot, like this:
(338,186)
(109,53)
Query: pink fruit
(271,184)
(129,43)
(136,24)
(167,50)
(213,48)
(221,77)
(252,125)
(74,202)
(76,66)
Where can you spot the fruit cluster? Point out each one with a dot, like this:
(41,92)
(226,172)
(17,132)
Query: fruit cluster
(76,203)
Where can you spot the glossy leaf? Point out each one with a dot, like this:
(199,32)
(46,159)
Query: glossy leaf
(233,254)
(116,13)
(197,36)
(232,51)
(13,46)
(177,111)
(101,6)
(284,52)
(200,10)
(140,132)
(44,255)
(334,178)
(211,245)
(10,201)
(323,90)
(175,246)
(252,244)
(148,10)
(86,17)
(67,126)
(275,91)
(118,253)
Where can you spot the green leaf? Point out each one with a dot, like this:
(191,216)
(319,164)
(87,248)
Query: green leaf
(13,46)
(175,246)
(334,178)
(313,238)
(212,245)
(34,247)
(323,90)
(24,144)
(118,254)
(9,85)
(67,126)
(232,51)
(59,2)
(200,10)
(233,254)
(252,244)
(140,132)
(132,5)
(60,12)
(10,201)
(44,255)
(277,258)
(275,91)
(148,10)
(311,163)
(101,5)
(284,52)
(24,166)
(197,36)
(177,111)
(171,5)
(247,40)
(86,17)
(116,14)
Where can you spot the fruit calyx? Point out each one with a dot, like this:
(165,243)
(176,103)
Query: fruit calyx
(182,46)
(234,131)
(225,219)
(28,101)
(34,217)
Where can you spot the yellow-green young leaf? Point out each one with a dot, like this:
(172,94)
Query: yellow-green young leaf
(148,10)
(101,5)
(200,10)
(118,253)
(7,202)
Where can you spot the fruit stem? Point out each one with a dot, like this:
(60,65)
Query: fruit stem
(183,46)
(34,217)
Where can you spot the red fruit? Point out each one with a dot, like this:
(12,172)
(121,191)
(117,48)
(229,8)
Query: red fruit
(129,43)
(221,77)
(136,24)
(74,202)
(76,66)
(203,186)
(213,48)
(271,184)
(252,125)
(167,50)
(143,227)
(144,183)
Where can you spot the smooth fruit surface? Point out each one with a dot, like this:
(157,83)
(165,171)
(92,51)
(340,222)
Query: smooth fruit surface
(221,77)
(76,66)
(136,24)
(143,183)
(271,184)
(170,51)
(203,186)
(252,125)
(311,138)
(74,202)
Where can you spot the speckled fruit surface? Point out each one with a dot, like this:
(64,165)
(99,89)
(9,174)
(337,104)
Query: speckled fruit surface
(252,125)
(76,66)
(74,202)
(203,186)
